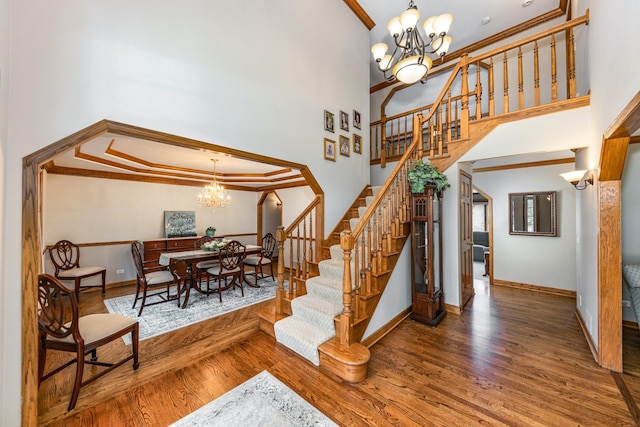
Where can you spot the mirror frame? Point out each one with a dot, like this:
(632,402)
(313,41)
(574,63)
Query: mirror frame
(553,217)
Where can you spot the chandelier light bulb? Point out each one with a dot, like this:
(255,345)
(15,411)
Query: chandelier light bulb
(441,46)
(378,50)
(394,27)
(427,26)
(443,24)
(409,18)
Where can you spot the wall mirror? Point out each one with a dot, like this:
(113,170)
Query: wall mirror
(533,214)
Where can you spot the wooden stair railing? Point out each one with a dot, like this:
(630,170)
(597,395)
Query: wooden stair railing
(470,94)
(298,248)
(381,231)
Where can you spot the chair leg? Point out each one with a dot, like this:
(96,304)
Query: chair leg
(137,294)
(42,360)
(76,290)
(104,282)
(78,381)
(144,298)
(220,287)
(134,345)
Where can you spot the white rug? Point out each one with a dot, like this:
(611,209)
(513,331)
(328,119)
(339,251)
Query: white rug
(261,401)
(162,318)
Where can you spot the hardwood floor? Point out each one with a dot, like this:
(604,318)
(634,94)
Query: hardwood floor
(514,357)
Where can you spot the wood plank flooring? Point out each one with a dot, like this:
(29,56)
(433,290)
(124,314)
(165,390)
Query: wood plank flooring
(513,358)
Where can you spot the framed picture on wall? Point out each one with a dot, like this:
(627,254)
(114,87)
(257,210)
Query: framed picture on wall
(344,121)
(179,224)
(344,145)
(356,119)
(357,143)
(329,149)
(328,121)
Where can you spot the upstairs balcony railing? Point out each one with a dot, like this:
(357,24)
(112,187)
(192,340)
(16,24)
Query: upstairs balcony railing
(524,75)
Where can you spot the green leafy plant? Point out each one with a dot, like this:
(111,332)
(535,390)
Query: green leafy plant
(421,174)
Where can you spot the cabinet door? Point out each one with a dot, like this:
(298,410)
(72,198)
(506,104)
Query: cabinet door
(176,245)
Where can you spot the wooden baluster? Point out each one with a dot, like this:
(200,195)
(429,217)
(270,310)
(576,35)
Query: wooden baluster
(464,112)
(280,291)
(298,262)
(439,131)
(520,81)
(292,278)
(405,145)
(432,137)
(505,71)
(373,145)
(345,320)
(449,116)
(571,65)
(456,120)
(554,76)
(536,75)
(478,93)
(383,141)
(311,256)
(304,249)
(491,100)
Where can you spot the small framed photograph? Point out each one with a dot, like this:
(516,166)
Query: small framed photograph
(344,146)
(356,119)
(344,121)
(328,121)
(329,149)
(357,143)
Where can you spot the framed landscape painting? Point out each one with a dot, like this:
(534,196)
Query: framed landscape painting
(179,224)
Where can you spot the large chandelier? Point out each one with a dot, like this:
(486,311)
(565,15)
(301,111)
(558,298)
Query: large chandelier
(408,62)
(213,194)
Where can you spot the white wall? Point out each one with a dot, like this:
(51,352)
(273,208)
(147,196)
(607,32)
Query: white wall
(614,82)
(5,326)
(256,77)
(532,260)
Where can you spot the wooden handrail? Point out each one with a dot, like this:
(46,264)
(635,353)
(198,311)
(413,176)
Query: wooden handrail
(300,245)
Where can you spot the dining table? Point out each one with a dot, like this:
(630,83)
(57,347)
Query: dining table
(192,257)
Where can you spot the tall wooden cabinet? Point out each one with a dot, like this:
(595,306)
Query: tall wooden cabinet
(426,257)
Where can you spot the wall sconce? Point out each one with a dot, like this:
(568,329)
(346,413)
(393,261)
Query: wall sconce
(575,177)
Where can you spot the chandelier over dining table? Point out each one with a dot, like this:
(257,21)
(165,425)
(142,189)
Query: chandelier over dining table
(409,62)
(214,195)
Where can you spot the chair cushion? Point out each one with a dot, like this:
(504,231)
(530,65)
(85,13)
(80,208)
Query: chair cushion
(203,265)
(157,277)
(94,327)
(256,260)
(216,270)
(631,274)
(80,271)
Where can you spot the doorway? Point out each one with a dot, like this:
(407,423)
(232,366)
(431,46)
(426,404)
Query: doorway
(269,213)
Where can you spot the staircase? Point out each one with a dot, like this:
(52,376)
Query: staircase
(329,289)
(312,320)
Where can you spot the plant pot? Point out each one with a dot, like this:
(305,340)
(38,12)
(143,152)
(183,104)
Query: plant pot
(211,233)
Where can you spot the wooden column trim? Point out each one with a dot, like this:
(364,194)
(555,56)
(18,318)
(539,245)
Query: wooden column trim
(609,275)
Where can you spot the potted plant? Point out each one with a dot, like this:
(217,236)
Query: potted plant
(422,174)
(211,231)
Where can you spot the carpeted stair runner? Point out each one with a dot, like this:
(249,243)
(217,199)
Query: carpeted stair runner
(311,323)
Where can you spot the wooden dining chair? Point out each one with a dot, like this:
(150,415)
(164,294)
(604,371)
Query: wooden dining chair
(157,280)
(61,328)
(230,258)
(65,257)
(203,266)
(257,262)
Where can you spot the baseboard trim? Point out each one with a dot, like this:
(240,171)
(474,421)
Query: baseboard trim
(535,288)
(629,324)
(382,332)
(453,309)
(585,332)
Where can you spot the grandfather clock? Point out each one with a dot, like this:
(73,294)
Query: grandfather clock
(426,257)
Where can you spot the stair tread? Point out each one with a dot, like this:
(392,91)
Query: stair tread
(301,337)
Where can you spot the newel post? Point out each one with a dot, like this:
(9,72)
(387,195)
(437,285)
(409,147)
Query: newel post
(464,110)
(344,330)
(280,293)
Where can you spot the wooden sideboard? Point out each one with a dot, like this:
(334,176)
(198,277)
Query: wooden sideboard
(153,248)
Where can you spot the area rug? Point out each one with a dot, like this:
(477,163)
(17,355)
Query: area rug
(162,318)
(260,401)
